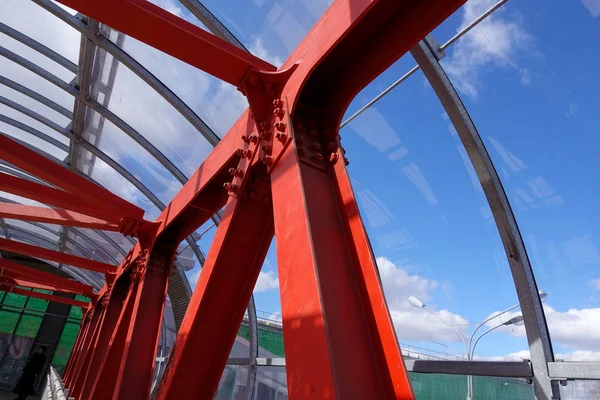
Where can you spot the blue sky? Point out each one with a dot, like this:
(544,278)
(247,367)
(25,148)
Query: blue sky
(528,77)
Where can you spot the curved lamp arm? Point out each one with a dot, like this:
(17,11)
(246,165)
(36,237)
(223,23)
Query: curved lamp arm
(451,327)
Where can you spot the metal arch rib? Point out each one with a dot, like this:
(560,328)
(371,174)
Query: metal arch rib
(214,25)
(54,56)
(136,67)
(139,139)
(36,96)
(536,327)
(37,70)
(30,130)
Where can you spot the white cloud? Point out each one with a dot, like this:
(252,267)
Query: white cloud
(574,328)
(496,41)
(266,281)
(257,48)
(412,323)
(596,284)
(577,355)
(593,7)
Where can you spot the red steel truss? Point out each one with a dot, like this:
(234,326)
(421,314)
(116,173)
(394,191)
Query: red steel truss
(280,171)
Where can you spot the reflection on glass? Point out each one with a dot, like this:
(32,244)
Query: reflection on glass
(430,225)
(534,101)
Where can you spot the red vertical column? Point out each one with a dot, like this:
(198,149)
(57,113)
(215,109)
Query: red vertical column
(86,345)
(104,382)
(76,348)
(79,378)
(114,308)
(138,357)
(339,338)
(222,293)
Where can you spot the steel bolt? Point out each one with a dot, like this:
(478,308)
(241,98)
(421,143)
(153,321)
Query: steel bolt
(230,187)
(236,172)
(331,145)
(263,125)
(247,153)
(346,161)
(267,148)
(280,126)
(282,137)
(254,138)
(316,146)
(245,138)
(318,156)
(313,132)
(301,151)
(277,103)
(267,160)
(239,152)
(299,139)
(278,112)
(334,158)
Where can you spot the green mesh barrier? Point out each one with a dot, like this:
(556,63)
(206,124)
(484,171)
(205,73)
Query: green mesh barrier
(28,326)
(267,339)
(76,311)
(8,321)
(65,344)
(454,387)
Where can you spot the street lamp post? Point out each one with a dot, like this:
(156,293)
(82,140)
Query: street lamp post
(470,346)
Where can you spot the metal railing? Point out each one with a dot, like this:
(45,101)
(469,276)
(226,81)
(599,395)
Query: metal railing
(55,389)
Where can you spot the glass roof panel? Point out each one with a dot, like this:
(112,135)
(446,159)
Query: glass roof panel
(217,103)
(124,150)
(40,25)
(38,108)
(27,137)
(32,81)
(532,92)
(51,232)
(153,117)
(21,235)
(37,58)
(429,223)
(270,30)
(112,180)
(102,247)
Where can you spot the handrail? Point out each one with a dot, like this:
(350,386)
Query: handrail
(55,389)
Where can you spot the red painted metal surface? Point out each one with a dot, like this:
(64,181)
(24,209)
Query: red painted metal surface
(239,248)
(116,299)
(77,186)
(42,296)
(280,170)
(56,256)
(172,35)
(56,216)
(13,270)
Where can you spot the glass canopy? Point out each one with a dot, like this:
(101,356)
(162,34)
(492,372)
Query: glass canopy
(139,123)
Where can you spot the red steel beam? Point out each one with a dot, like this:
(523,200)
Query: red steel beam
(46,254)
(48,195)
(239,249)
(55,216)
(48,297)
(114,308)
(56,174)
(14,270)
(174,36)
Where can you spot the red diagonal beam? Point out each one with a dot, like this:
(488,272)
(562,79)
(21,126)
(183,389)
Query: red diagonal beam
(42,296)
(56,256)
(7,280)
(55,216)
(56,174)
(174,36)
(14,270)
(49,195)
